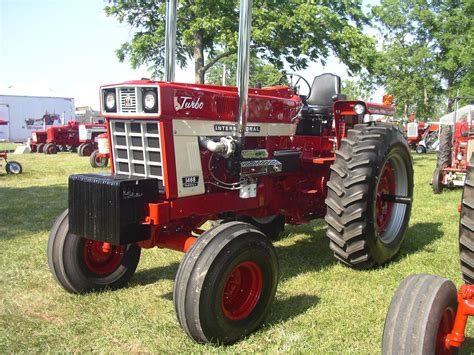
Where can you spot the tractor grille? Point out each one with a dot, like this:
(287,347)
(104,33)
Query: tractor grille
(128,100)
(136,147)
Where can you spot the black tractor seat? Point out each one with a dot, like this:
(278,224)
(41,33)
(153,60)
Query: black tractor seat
(317,111)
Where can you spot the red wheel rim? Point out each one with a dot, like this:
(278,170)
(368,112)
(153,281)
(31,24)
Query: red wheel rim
(445,326)
(102,262)
(242,290)
(386,186)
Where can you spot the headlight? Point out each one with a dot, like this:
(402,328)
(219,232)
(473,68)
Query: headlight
(110,101)
(459,156)
(359,109)
(150,100)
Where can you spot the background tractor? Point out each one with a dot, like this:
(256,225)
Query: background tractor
(88,137)
(250,160)
(455,148)
(427,315)
(38,141)
(100,157)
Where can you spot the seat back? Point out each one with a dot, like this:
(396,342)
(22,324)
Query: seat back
(324,87)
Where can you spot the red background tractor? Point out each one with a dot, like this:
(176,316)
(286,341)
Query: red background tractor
(456,147)
(38,141)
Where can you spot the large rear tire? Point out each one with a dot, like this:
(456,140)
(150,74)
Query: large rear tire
(80,265)
(445,147)
(420,316)
(50,148)
(466,227)
(373,166)
(226,283)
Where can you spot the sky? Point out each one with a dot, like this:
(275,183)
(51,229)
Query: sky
(66,48)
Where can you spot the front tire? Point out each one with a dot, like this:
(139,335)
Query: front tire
(13,167)
(98,162)
(80,265)
(373,165)
(40,148)
(437,181)
(226,283)
(50,148)
(420,316)
(420,149)
(466,227)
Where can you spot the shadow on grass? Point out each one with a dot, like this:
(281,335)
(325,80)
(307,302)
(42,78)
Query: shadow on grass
(467,346)
(30,209)
(419,236)
(149,276)
(286,309)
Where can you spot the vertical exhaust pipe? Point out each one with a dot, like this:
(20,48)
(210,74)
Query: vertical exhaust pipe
(243,66)
(170,40)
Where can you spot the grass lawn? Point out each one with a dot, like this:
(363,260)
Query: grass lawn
(321,306)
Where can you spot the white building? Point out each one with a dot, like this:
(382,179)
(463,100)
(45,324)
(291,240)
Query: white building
(28,113)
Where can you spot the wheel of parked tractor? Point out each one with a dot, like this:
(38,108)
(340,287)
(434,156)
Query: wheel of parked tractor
(420,149)
(96,161)
(40,148)
(13,167)
(271,226)
(87,150)
(226,283)
(50,148)
(33,148)
(466,227)
(420,316)
(82,265)
(369,195)
(436,181)
(79,149)
(445,147)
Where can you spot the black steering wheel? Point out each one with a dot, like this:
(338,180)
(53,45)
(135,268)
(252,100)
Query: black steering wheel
(292,80)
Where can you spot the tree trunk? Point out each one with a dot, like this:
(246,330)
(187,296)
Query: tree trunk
(199,58)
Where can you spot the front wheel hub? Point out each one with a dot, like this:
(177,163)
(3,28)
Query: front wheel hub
(242,290)
(102,259)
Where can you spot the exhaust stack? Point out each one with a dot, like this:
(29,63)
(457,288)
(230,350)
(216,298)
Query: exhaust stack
(170,40)
(243,65)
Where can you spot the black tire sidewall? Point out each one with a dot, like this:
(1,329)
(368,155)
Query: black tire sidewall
(213,320)
(65,258)
(10,164)
(380,250)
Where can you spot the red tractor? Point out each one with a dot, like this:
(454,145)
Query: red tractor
(100,157)
(88,136)
(427,315)
(38,141)
(455,148)
(250,159)
(62,138)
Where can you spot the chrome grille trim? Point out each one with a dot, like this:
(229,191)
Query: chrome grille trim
(128,99)
(136,147)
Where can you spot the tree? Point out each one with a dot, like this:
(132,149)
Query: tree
(292,31)
(428,52)
(261,73)
(357,89)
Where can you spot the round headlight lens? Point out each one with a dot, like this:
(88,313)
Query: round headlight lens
(359,109)
(110,100)
(149,100)
(459,156)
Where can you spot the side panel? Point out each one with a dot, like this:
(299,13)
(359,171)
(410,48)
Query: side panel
(189,177)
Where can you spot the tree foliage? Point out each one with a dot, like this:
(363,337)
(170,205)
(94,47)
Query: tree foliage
(261,72)
(296,32)
(427,52)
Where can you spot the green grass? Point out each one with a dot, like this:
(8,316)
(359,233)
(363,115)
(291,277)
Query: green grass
(321,306)
(8,146)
